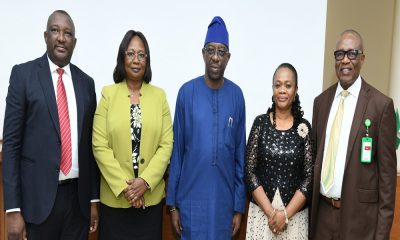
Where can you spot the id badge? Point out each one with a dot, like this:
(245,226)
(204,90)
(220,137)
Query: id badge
(366,150)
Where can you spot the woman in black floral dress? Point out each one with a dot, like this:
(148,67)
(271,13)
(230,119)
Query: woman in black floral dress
(279,164)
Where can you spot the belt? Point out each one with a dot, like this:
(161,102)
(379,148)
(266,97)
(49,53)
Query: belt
(67,181)
(334,202)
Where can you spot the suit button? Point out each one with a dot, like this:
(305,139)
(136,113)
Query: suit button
(142,161)
(58,143)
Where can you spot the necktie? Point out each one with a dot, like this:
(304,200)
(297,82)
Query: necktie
(330,158)
(65,128)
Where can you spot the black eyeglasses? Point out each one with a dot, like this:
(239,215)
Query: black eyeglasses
(141,56)
(352,54)
(221,52)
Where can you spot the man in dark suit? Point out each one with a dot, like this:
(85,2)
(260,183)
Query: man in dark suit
(50,178)
(355,159)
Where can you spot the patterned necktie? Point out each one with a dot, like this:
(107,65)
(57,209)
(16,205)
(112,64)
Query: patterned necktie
(65,128)
(330,158)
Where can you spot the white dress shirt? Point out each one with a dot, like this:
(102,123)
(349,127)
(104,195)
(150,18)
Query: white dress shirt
(73,117)
(350,103)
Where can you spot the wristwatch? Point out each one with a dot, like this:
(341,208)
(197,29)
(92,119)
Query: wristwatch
(172,209)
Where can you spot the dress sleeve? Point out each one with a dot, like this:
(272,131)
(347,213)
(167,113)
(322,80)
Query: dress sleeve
(240,189)
(177,150)
(306,183)
(386,160)
(13,134)
(252,155)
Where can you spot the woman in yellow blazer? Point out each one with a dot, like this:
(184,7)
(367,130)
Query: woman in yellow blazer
(132,144)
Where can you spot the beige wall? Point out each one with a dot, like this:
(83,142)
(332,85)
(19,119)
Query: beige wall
(395,73)
(374,21)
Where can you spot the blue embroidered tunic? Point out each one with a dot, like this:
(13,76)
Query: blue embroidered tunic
(206,179)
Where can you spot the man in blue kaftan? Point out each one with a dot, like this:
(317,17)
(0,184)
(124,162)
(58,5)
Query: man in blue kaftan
(206,192)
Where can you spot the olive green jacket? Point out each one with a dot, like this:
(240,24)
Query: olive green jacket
(112,143)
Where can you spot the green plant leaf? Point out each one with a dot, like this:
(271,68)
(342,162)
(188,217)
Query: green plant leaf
(398,129)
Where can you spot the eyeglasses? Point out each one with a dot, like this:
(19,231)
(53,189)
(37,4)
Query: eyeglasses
(141,56)
(221,52)
(351,54)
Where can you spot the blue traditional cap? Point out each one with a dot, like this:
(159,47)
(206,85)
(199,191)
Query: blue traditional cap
(217,32)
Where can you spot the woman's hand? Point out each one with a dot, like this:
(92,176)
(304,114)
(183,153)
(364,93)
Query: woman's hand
(138,203)
(134,192)
(277,222)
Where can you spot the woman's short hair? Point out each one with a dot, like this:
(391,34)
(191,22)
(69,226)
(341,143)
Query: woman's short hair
(119,71)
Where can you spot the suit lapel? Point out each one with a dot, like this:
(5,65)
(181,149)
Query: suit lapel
(46,83)
(80,105)
(361,106)
(325,105)
(325,108)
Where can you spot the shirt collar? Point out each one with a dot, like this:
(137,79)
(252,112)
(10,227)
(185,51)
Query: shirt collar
(354,89)
(53,67)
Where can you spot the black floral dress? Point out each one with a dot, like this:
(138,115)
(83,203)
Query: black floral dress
(281,162)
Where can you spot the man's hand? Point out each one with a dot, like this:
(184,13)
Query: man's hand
(15,226)
(176,222)
(94,216)
(237,218)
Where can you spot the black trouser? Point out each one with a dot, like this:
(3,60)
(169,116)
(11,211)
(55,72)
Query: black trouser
(66,221)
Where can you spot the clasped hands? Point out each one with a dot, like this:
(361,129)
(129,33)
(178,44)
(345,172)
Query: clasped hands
(134,192)
(276,221)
